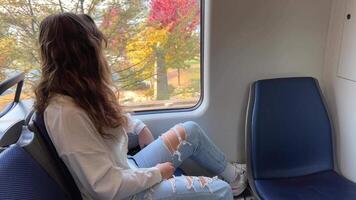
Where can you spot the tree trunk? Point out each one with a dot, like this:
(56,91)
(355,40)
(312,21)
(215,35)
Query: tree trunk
(162,78)
(61,6)
(178,76)
(81,6)
(32,17)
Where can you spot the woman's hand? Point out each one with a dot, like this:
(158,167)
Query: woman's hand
(167,170)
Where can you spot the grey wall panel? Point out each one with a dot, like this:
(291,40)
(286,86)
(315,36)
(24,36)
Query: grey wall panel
(341,93)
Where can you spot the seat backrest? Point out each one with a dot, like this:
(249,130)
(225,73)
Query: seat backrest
(38,126)
(22,178)
(288,129)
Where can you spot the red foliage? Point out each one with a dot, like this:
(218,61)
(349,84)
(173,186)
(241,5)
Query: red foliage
(108,17)
(170,13)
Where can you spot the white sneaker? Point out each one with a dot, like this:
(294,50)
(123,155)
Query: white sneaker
(240,184)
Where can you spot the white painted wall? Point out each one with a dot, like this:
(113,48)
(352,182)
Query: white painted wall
(248,40)
(341,94)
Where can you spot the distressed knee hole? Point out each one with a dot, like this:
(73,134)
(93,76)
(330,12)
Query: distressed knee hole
(169,141)
(179,128)
(172,140)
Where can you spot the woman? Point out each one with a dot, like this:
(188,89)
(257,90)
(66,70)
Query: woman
(90,130)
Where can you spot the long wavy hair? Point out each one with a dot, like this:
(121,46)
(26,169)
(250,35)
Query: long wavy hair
(73,64)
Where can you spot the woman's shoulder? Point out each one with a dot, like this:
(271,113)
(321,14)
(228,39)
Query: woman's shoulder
(64,108)
(63,104)
(63,111)
(70,128)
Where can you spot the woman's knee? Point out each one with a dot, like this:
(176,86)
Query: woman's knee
(192,129)
(188,132)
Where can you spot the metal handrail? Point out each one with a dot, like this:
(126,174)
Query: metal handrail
(7,84)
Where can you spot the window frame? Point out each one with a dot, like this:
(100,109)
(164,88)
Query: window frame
(202,86)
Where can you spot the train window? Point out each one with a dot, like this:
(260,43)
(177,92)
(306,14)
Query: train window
(7,98)
(154,46)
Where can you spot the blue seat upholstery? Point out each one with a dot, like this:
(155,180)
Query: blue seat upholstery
(289,142)
(39,128)
(22,178)
(326,185)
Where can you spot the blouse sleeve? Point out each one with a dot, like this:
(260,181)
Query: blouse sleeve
(135,126)
(89,161)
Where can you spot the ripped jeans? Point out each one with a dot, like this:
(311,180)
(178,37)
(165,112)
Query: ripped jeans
(198,147)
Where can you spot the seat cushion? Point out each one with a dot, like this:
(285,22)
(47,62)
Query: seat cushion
(327,185)
(22,178)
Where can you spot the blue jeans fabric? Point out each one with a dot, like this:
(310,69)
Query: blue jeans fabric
(197,147)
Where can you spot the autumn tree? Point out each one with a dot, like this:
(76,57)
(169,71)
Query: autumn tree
(21,19)
(120,23)
(168,39)
(19,26)
(145,38)
(7,45)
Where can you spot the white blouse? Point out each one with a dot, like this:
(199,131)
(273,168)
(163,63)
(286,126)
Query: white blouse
(99,166)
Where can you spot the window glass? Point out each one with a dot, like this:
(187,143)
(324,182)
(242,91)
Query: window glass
(154,46)
(7,98)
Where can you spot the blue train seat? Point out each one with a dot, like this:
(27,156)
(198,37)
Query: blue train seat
(21,177)
(38,127)
(290,143)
